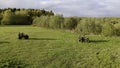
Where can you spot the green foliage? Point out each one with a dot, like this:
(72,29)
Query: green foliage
(7,17)
(14,16)
(98,27)
(0,18)
(87,26)
(21,18)
(83,27)
(95,27)
(70,23)
(56,21)
(42,21)
(108,29)
(42,18)
(18,18)
(117,29)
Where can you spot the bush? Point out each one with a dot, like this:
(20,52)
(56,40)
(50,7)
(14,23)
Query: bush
(83,27)
(117,29)
(56,22)
(88,27)
(95,27)
(42,21)
(0,17)
(108,29)
(70,23)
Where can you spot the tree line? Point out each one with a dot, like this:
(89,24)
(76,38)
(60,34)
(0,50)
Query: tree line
(107,26)
(21,16)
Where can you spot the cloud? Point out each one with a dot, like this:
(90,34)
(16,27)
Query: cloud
(96,8)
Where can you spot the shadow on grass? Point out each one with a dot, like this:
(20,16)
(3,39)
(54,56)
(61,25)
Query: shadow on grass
(42,39)
(98,41)
(2,42)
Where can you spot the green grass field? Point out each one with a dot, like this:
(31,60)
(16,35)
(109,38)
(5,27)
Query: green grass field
(49,48)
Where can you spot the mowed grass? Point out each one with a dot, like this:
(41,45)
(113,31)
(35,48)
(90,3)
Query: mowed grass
(49,48)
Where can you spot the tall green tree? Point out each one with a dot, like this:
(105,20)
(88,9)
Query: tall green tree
(83,27)
(108,29)
(70,23)
(7,17)
(21,18)
(117,29)
(56,21)
(42,21)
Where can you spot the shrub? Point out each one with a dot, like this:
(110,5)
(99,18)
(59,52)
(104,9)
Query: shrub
(83,27)
(108,29)
(0,17)
(42,21)
(56,21)
(70,23)
(87,27)
(95,27)
(117,29)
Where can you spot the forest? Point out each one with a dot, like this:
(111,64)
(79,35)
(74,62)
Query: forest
(21,16)
(107,26)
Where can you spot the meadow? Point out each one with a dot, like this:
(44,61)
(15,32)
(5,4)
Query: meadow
(48,48)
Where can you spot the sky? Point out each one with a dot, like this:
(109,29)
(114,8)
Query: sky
(87,8)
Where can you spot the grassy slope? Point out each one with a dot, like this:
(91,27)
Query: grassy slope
(49,48)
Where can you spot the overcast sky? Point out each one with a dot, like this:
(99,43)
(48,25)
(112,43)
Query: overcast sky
(94,8)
